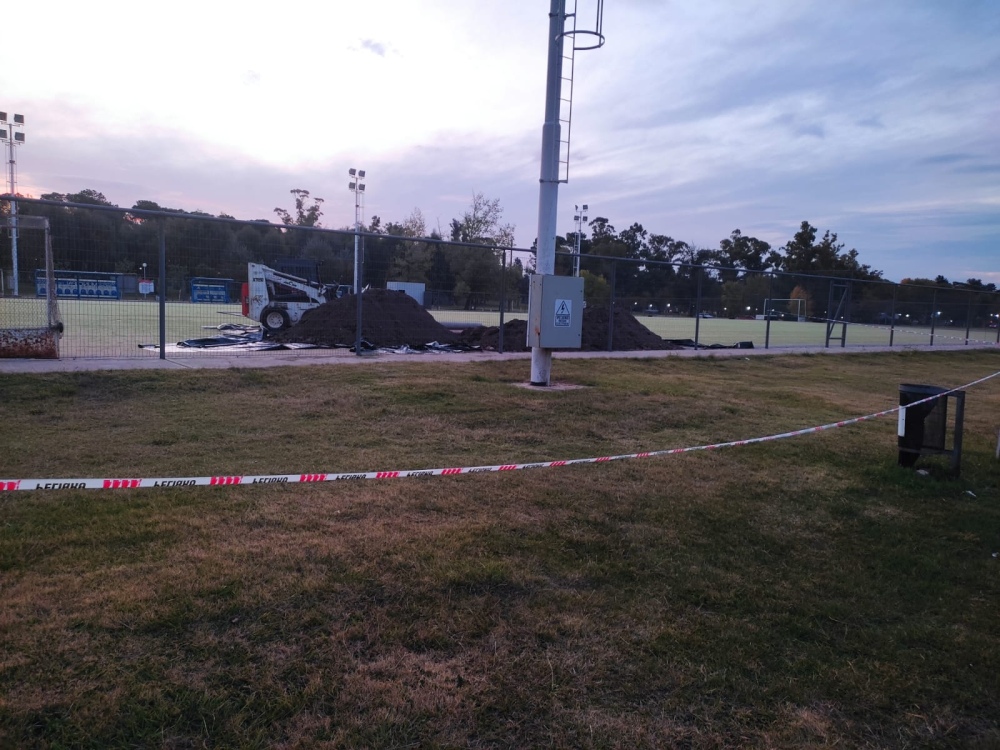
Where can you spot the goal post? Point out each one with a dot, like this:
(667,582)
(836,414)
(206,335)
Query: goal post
(31,326)
(793,305)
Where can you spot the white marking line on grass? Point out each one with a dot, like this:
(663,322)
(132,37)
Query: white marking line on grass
(119,483)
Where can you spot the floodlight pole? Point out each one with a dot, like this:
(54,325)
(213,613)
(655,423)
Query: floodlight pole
(548,190)
(357,186)
(579,218)
(12,139)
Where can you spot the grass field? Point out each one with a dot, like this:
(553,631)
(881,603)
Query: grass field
(799,593)
(116,329)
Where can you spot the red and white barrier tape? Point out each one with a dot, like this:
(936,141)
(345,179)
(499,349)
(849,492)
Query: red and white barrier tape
(137,482)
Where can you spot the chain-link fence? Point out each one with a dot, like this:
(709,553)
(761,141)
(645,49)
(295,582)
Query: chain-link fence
(138,283)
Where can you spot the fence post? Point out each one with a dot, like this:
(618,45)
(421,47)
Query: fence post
(933,315)
(697,308)
(611,307)
(968,321)
(359,254)
(163,289)
(767,313)
(892,316)
(503,298)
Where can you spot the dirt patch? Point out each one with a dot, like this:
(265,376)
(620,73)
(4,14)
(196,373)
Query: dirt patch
(392,319)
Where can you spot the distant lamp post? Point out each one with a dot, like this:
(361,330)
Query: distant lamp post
(12,138)
(579,217)
(357,186)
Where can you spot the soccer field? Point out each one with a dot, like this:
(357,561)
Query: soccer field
(106,328)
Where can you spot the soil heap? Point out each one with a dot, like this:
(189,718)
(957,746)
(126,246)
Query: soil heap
(393,319)
(627,334)
(389,318)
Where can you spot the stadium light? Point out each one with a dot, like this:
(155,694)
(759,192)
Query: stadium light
(12,138)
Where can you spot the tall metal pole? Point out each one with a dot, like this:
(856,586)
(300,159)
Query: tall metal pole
(548,190)
(580,217)
(13,213)
(12,139)
(358,187)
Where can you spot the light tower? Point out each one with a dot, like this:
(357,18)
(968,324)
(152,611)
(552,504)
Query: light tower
(12,138)
(357,186)
(555,155)
(580,217)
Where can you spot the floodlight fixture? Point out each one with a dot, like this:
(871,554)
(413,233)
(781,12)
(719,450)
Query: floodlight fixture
(352,171)
(19,119)
(361,187)
(361,174)
(18,137)
(3,117)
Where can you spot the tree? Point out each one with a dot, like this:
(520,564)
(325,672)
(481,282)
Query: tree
(477,271)
(800,292)
(745,253)
(305,215)
(803,254)
(481,224)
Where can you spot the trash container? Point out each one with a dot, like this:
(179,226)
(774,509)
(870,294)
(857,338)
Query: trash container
(924,425)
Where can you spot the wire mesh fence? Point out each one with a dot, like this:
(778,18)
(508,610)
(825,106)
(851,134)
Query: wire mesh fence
(146,283)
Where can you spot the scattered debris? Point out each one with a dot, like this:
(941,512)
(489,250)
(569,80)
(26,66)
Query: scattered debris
(970,493)
(923,472)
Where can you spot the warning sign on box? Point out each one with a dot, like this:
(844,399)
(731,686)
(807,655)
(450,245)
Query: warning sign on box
(564,313)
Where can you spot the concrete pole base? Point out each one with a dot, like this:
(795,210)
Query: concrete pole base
(541,366)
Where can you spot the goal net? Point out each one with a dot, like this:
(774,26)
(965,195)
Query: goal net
(779,309)
(30,324)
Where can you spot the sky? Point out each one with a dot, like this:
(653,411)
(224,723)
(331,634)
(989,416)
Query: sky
(878,121)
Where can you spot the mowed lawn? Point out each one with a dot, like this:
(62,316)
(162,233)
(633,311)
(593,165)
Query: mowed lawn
(806,592)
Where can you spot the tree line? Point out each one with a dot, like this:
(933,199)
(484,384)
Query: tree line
(467,265)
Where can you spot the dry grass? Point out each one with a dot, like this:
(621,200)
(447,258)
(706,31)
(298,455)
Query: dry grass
(806,593)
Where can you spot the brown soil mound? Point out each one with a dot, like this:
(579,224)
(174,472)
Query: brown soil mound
(628,334)
(393,319)
(388,318)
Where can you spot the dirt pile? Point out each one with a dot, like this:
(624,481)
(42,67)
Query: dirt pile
(388,318)
(627,334)
(394,319)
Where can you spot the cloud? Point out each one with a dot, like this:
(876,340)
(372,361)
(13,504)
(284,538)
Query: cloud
(376,48)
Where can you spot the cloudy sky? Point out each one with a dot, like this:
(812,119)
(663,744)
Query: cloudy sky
(878,119)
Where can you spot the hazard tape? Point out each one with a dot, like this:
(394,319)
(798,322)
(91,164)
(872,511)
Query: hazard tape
(118,483)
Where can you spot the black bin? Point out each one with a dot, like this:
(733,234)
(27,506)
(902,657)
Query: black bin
(925,425)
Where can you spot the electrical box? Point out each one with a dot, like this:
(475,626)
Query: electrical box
(555,312)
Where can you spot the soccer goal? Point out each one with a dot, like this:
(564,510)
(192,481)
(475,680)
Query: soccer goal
(777,308)
(30,325)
